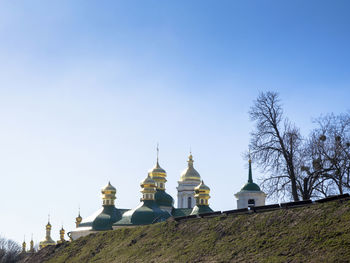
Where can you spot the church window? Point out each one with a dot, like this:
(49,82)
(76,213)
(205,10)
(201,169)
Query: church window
(189,202)
(251,202)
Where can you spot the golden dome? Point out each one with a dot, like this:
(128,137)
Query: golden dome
(108,194)
(190,174)
(148,181)
(109,187)
(158,174)
(79,218)
(202,194)
(148,188)
(157,170)
(202,186)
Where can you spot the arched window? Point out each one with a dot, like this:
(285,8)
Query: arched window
(189,202)
(251,202)
(201,201)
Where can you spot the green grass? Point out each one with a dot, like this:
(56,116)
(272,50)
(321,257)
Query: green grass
(318,233)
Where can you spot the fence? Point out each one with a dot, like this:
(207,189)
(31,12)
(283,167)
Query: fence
(265,208)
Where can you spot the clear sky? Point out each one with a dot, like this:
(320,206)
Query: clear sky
(88,88)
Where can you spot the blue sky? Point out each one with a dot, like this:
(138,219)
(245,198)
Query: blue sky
(88,88)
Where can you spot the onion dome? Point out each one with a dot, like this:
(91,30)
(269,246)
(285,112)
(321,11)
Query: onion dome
(190,174)
(148,181)
(102,219)
(78,220)
(31,249)
(24,244)
(148,188)
(250,185)
(62,232)
(148,211)
(109,187)
(108,194)
(158,174)
(157,170)
(202,196)
(202,187)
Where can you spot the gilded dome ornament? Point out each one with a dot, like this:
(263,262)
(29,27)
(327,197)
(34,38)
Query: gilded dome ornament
(190,174)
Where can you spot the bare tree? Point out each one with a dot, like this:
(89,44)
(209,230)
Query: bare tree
(331,141)
(9,250)
(275,145)
(311,180)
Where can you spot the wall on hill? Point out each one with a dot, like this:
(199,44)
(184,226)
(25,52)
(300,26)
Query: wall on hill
(316,233)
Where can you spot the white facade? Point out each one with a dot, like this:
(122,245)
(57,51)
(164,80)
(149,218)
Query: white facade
(247,199)
(185,194)
(80,232)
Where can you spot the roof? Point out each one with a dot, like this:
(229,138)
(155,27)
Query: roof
(147,212)
(163,199)
(177,212)
(250,186)
(102,219)
(200,209)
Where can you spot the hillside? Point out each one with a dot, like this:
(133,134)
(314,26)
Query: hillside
(316,233)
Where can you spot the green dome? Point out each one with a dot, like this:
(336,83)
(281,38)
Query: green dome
(163,199)
(103,219)
(146,213)
(250,187)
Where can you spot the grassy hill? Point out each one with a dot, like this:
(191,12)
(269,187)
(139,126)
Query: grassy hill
(317,233)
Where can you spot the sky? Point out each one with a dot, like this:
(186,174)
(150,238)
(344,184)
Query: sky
(88,89)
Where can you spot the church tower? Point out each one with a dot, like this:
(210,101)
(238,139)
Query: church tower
(202,199)
(24,245)
(78,220)
(108,195)
(190,178)
(48,241)
(31,249)
(148,189)
(62,240)
(162,198)
(250,194)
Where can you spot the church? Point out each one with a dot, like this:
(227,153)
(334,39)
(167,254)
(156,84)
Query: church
(156,205)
